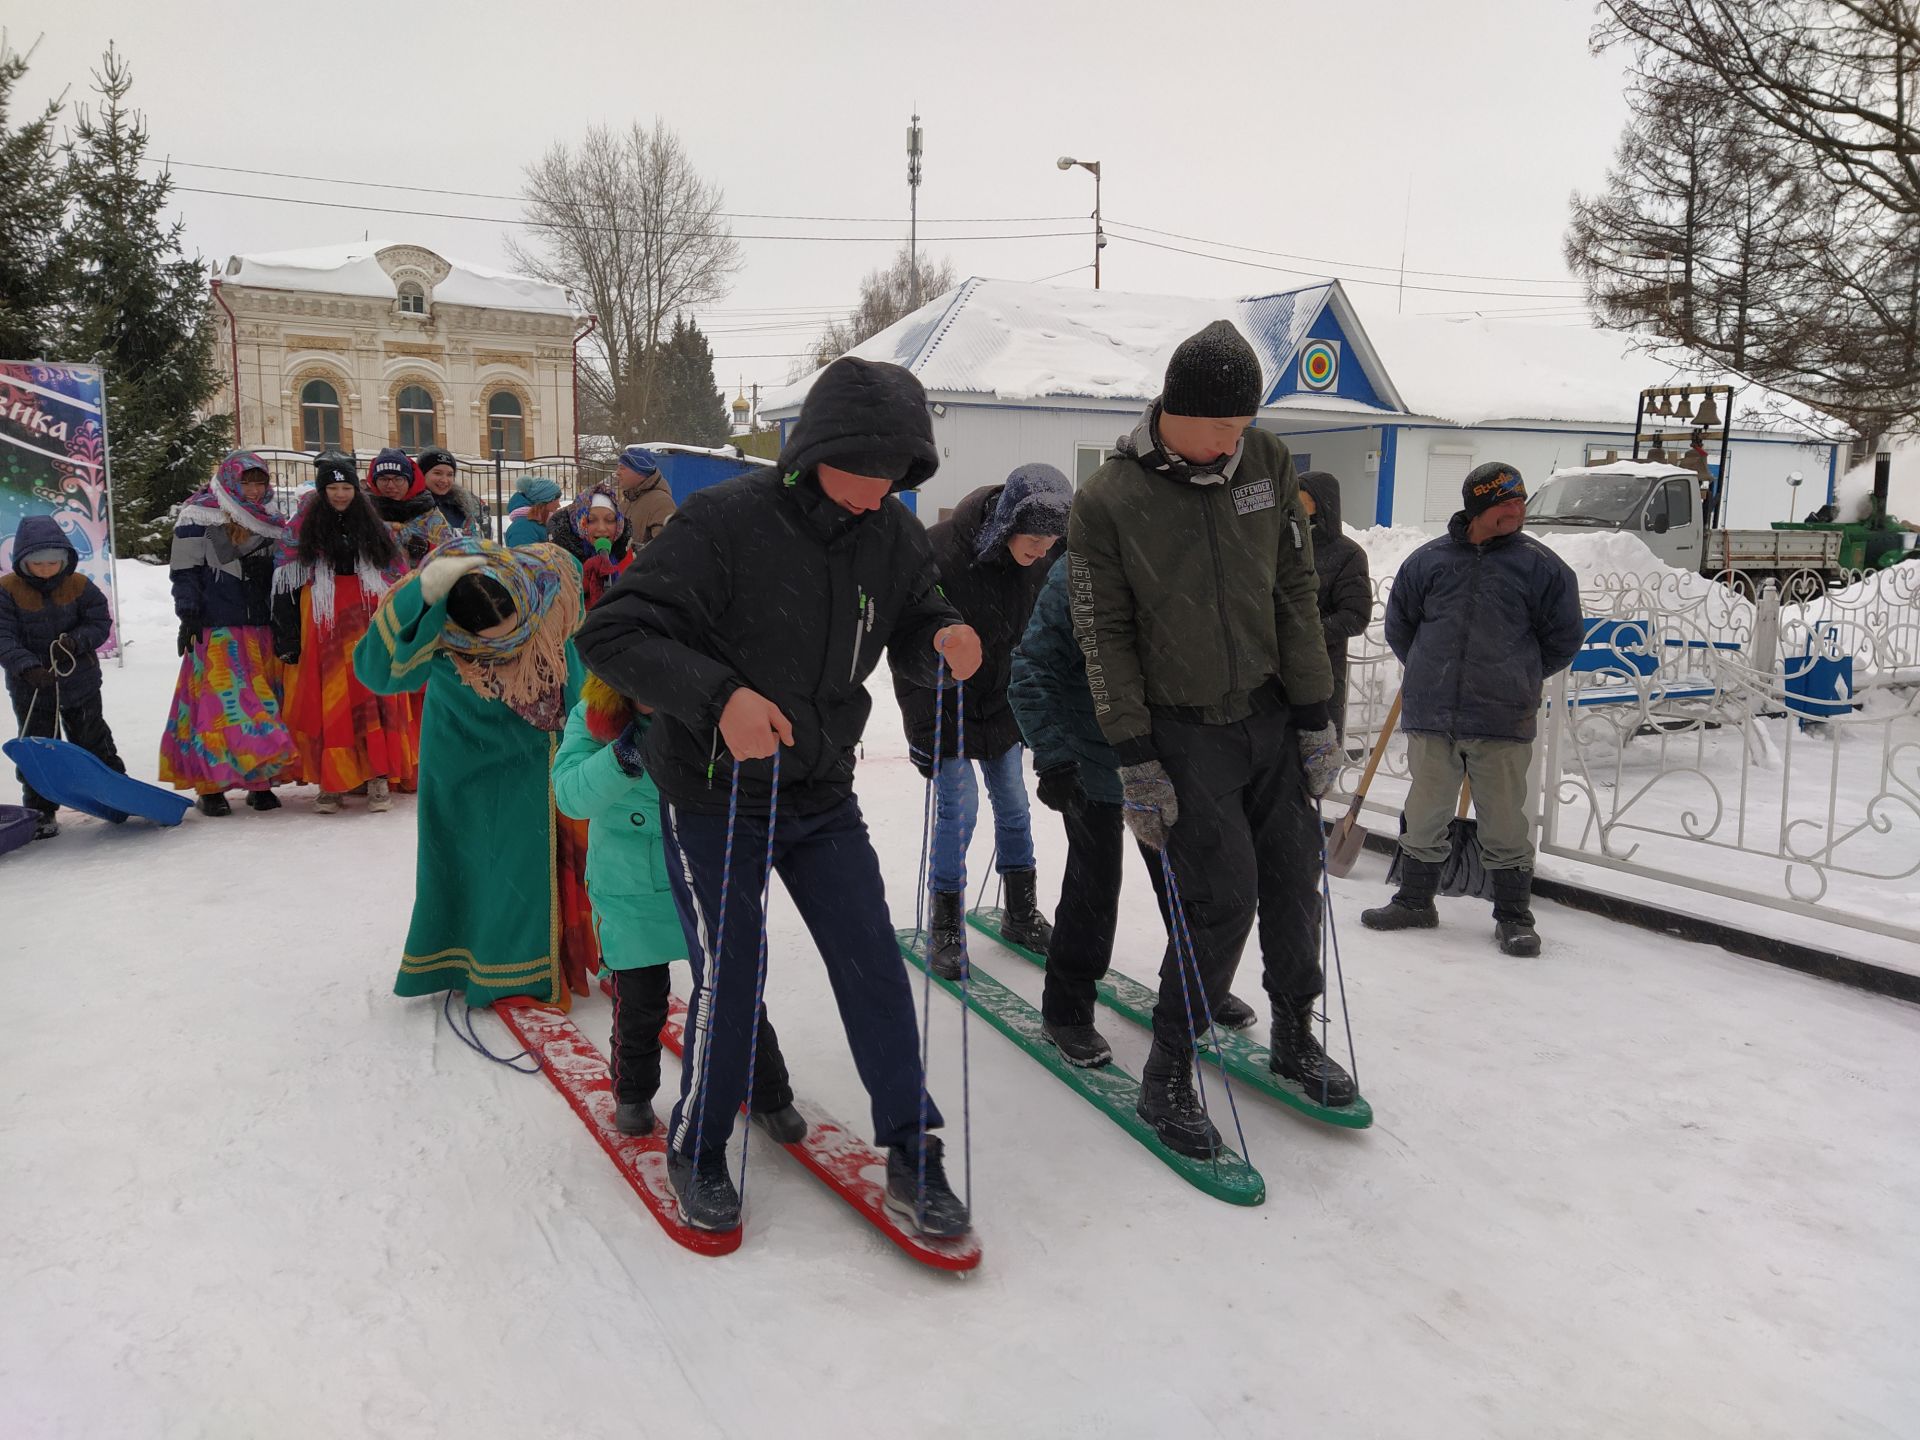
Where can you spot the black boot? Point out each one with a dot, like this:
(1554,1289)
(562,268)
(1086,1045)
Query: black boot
(1513,912)
(785,1126)
(262,800)
(1080,1045)
(1297,1056)
(45,827)
(1170,1105)
(1234,1013)
(215,804)
(1412,907)
(947,936)
(1022,924)
(934,1210)
(707,1198)
(633,1117)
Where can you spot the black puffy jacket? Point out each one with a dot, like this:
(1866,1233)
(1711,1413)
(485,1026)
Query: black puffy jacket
(995,596)
(1479,628)
(763,582)
(1346,587)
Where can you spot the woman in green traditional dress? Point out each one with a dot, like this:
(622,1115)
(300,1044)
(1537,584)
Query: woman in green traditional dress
(500,904)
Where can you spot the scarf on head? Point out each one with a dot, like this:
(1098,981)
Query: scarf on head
(224,503)
(525,669)
(291,573)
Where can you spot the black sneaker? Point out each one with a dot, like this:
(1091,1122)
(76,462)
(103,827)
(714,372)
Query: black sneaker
(634,1117)
(263,800)
(215,805)
(1080,1045)
(785,1125)
(1235,1014)
(1297,1056)
(934,1211)
(707,1198)
(1170,1105)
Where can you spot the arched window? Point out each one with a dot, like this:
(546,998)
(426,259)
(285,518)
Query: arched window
(413,298)
(506,428)
(319,416)
(415,408)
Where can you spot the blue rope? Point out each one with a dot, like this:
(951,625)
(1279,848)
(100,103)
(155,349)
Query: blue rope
(760,981)
(1183,952)
(1330,937)
(924,935)
(966,987)
(712,986)
(470,1037)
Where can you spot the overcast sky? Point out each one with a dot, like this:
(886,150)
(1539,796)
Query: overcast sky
(1278,125)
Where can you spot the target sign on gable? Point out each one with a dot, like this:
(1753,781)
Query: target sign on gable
(1320,365)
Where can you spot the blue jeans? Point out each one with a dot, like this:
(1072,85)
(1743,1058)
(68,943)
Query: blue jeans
(957,802)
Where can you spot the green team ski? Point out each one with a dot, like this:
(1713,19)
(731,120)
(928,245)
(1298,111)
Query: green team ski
(1110,1088)
(1244,1060)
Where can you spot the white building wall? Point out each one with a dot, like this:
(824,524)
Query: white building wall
(1351,457)
(982,445)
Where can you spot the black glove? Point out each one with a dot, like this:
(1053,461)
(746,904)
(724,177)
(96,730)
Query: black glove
(626,750)
(38,677)
(189,632)
(922,761)
(1061,790)
(287,651)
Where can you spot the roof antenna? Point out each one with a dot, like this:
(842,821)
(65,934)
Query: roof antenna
(1406,226)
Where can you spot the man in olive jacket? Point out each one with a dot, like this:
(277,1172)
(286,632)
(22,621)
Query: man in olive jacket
(1190,573)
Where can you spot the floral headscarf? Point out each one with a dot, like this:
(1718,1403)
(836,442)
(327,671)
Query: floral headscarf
(224,501)
(525,669)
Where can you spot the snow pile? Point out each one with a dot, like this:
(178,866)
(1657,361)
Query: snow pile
(1855,490)
(1388,545)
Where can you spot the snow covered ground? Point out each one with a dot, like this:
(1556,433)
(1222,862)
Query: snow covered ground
(1633,1188)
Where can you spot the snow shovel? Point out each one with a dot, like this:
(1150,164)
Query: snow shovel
(1463,872)
(1349,836)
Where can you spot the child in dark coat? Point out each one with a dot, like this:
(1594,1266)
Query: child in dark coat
(53,621)
(1346,587)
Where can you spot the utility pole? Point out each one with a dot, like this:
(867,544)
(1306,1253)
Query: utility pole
(913,194)
(1092,167)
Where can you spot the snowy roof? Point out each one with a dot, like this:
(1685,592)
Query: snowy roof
(1477,371)
(1631,469)
(1015,341)
(365,268)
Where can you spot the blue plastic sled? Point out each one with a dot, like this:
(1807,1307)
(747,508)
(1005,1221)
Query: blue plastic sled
(70,776)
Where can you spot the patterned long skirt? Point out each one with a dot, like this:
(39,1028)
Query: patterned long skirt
(347,735)
(226,731)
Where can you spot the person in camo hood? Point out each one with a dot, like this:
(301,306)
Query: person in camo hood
(1191,577)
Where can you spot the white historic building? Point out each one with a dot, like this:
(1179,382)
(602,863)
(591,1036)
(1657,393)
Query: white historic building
(364,345)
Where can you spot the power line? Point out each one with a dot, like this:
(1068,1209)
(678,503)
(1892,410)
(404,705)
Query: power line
(521,199)
(1349,264)
(1318,275)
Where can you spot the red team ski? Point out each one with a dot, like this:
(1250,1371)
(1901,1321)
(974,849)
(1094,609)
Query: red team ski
(579,1072)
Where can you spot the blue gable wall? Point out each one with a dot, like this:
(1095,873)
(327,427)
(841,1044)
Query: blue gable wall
(1353,384)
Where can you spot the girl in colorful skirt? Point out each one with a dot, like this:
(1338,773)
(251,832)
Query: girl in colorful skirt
(500,904)
(337,561)
(227,731)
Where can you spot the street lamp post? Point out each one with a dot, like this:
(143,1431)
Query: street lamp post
(1067,162)
(914,141)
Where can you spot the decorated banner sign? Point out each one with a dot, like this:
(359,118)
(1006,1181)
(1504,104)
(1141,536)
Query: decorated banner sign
(1320,365)
(53,461)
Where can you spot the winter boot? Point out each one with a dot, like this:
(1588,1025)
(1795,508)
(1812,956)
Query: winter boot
(936,1211)
(1168,1103)
(1080,1045)
(633,1117)
(215,804)
(1297,1056)
(1412,907)
(1022,925)
(785,1126)
(1234,1013)
(947,942)
(707,1198)
(377,796)
(1513,912)
(262,800)
(327,802)
(45,827)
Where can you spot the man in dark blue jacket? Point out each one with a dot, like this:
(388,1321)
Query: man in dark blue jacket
(1480,618)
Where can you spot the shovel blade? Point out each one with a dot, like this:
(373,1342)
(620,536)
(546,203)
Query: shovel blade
(1344,845)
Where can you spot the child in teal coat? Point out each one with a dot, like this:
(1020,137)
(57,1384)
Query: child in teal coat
(597,777)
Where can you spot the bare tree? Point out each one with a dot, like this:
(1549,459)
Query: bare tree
(1764,208)
(885,296)
(628,224)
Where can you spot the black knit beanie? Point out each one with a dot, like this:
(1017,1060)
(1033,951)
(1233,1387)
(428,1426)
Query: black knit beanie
(1489,485)
(1213,374)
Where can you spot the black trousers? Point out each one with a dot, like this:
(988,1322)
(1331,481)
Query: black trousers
(83,722)
(1088,916)
(640,1009)
(1247,841)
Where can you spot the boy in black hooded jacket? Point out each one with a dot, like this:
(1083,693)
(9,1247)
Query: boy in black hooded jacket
(750,626)
(1346,586)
